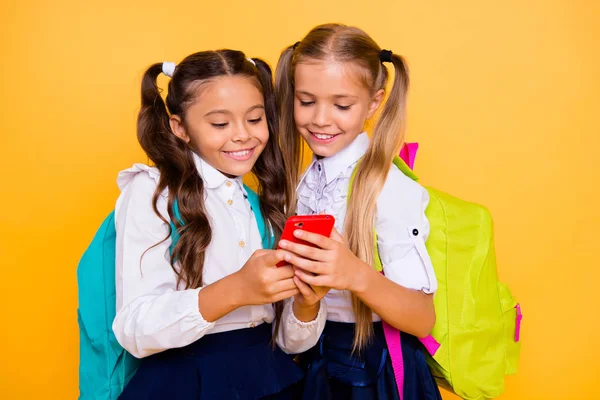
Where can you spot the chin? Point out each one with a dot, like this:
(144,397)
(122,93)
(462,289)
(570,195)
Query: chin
(239,168)
(236,171)
(324,151)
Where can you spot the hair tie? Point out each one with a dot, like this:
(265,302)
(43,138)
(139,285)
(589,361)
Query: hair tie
(385,56)
(295,45)
(252,61)
(168,68)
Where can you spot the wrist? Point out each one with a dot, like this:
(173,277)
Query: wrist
(306,313)
(237,290)
(361,277)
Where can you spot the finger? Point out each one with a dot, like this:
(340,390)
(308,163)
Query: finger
(320,241)
(335,235)
(310,273)
(283,286)
(305,290)
(305,251)
(281,273)
(319,280)
(272,257)
(285,295)
(309,265)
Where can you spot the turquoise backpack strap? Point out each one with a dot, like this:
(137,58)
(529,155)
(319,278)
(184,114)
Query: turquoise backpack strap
(268,239)
(174,233)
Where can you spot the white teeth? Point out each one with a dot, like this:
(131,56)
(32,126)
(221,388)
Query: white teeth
(239,153)
(323,137)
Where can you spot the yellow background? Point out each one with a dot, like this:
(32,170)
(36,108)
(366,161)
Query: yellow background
(504,102)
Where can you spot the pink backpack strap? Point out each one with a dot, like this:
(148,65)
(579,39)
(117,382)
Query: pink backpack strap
(430,344)
(408,154)
(518,323)
(394,344)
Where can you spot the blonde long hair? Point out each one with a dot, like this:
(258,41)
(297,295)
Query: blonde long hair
(341,43)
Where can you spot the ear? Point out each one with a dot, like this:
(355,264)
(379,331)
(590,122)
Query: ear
(178,129)
(375,102)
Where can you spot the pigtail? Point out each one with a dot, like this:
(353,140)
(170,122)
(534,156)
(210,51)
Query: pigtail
(371,175)
(173,158)
(153,130)
(291,142)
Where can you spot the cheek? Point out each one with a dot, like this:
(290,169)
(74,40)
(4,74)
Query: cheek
(210,138)
(204,144)
(349,120)
(301,115)
(262,132)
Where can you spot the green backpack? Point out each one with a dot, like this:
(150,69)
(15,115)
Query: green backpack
(104,366)
(475,341)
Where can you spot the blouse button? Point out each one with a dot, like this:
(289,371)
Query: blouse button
(252,325)
(415,232)
(242,243)
(228,183)
(230,202)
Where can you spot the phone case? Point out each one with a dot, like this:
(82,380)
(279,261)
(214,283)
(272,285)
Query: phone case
(321,224)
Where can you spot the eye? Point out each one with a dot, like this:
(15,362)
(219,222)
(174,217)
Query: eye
(343,108)
(306,103)
(255,120)
(220,126)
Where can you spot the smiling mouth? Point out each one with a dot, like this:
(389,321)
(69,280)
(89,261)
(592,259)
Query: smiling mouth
(240,155)
(323,137)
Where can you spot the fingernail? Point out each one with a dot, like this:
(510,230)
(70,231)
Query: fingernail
(298,233)
(287,257)
(283,244)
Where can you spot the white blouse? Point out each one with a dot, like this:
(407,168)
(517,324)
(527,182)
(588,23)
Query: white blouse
(153,313)
(401,225)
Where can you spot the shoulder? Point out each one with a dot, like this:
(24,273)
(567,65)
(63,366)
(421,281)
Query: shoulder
(139,177)
(401,193)
(137,185)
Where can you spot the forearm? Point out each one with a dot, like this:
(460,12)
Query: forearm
(408,310)
(154,323)
(221,297)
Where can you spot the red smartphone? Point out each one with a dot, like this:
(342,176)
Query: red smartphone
(321,224)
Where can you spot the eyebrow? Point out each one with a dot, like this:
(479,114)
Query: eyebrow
(255,107)
(337,96)
(224,111)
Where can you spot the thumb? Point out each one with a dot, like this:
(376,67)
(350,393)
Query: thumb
(260,252)
(271,257)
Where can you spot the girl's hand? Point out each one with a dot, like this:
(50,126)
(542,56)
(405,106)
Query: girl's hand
(261,282)
(309,296)
(331,265)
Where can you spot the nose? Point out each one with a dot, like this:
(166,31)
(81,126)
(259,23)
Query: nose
(322,116)
(241,133)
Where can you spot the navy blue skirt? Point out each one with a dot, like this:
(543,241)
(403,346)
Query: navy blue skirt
(333,372)
(239,364)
